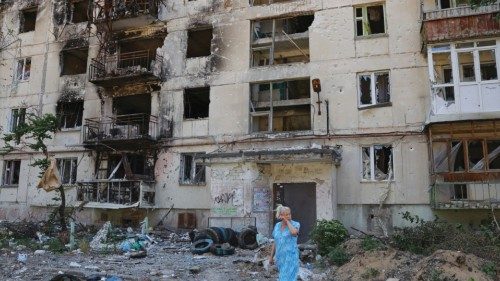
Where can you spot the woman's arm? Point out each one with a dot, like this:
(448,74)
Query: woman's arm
(271,256)
(292,229)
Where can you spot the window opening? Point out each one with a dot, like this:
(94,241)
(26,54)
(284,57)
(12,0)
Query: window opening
(11,171)
(69,114)
(191,172)
(67,169)
(199,43)
(280,106)
(74,61)
(459,192)
(27,20)
(466,63)
(281,41)
(196,103)
(377,163)
(370,20)
(18,118)
(488,65)
(78,11)
(374,88)
(23,69)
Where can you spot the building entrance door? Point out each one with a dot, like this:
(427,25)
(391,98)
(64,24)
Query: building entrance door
(301,198)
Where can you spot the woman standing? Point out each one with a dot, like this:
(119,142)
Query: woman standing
(285,245)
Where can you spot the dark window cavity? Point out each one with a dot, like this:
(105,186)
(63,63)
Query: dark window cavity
(196,103)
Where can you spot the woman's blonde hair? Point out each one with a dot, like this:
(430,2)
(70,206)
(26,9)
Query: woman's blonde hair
(280,209)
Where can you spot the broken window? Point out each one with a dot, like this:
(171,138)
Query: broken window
(74,61)
(199,43)
(191,172)
(17,118)
(466,63)
(452,154)
(67,169)
(11,171)
(196,103)
(374,88)
(370,20)
(377,163)
(23,69)
(27,20)
(488,65)
(69,114)
(446,4)
(459,192)
(129,166)
(78,11)
(281,41)
(443,87)
(280,106)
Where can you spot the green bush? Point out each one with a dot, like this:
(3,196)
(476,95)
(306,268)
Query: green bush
(490,269)
(369,244)
(56,246)
(328,234)
(370,273)
(337,256)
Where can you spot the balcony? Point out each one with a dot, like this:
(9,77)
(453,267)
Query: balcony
(116,194)
(125,13)
(131,67)
(460,23)
(121,131)
(484,195)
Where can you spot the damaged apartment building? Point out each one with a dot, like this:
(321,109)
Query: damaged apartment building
(210,113)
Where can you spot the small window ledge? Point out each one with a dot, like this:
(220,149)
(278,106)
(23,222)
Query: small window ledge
(9,186)
(371,36)
(65,130)
(385,104)
(187,184)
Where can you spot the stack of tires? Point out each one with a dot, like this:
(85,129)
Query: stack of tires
(222,241)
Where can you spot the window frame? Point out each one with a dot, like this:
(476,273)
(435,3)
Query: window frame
(364,19)
(60,162)
(373,88)
(61,117)
(15,113)
(9,164)
(193,179)
(24,77)
(372,163)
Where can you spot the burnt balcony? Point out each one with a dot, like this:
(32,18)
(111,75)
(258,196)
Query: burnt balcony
(121,131)
(116,193)
(124,68)
(460,23)
(124,9)
(472,195)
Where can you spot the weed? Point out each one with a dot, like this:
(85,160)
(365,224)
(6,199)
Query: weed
(489,269)
(56,246)
(337,256)
(370,273)
(370,244)
(327,234)
(84,246)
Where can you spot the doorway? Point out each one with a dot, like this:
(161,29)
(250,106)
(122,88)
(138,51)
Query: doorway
(301,198)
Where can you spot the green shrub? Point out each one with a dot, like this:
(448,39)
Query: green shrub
(369,244)
(490,269)
(56,246)
(370,273)
(328,234)
(337,256)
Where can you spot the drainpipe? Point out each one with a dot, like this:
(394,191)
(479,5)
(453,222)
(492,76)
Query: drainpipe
(334,192)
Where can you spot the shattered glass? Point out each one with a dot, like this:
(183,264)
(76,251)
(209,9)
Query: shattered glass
(367,173)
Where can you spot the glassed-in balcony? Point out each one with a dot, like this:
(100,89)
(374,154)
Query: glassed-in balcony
(116,193)
(124,68)
(460,23)
(120,130)
(120,9)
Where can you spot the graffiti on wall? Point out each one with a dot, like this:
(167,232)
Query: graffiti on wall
(226,203)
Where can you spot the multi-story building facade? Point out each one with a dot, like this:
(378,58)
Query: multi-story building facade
(213,112)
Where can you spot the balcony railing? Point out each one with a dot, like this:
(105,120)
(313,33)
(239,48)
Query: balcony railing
(124,65)
(460,23)
(117,9)
(466,195)
(122,192)
(120,127)
(460,12)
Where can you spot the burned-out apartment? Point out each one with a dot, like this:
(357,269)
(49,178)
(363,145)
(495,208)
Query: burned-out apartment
(214,112)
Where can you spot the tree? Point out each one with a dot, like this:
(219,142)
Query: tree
(33,135)
(477,3)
